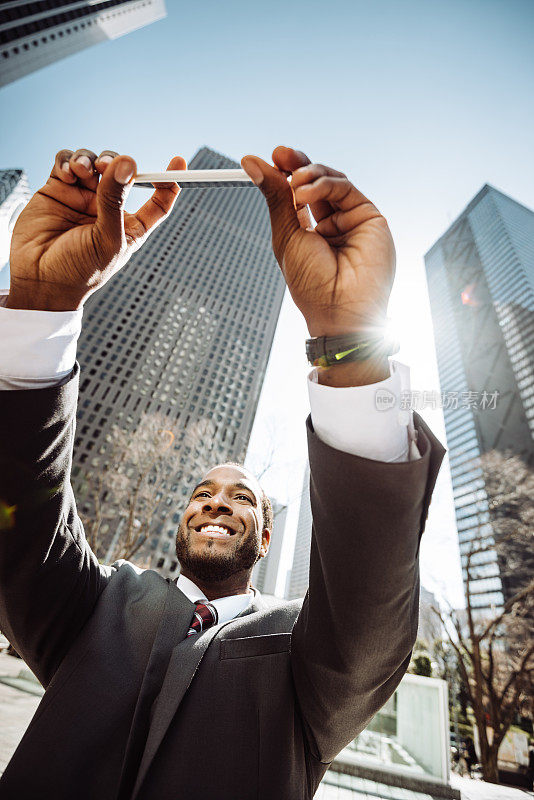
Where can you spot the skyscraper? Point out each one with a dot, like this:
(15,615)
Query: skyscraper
(184,331)
(429,627)
(481,284)
(14,194)
(33,35)
(300,569)
(265,574)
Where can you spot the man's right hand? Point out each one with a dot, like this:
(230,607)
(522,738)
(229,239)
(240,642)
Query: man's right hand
(74,233)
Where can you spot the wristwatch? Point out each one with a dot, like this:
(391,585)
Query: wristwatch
(325,351)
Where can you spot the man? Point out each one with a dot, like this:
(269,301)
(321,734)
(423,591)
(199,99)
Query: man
(200,688)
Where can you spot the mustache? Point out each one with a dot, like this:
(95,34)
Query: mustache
(210,564)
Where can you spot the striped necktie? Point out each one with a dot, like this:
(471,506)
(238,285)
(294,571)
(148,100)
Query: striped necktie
(204,616)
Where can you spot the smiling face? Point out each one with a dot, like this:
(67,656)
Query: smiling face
(222,530)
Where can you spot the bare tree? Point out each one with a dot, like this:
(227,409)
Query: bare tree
(129,491)
(446,667)
(509,485)
(495,650)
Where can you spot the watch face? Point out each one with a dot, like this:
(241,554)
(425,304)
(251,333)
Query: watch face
(326,351)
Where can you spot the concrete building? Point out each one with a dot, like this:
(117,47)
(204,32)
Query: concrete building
(297,582)
(33,35)
(481,284)
(265,572)
(184,331)
(14,194)
(429,628)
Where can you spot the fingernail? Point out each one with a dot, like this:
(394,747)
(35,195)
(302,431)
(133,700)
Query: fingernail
(254,172)
(105,159)
(66,168)
(124,172)
(85,162)
(304,217)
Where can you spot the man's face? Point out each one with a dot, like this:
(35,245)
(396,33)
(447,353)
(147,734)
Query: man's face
(221,532)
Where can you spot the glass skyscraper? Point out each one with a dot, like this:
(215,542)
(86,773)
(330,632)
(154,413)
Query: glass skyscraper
(300,569)
(33,35)
(14,194)
(265,572)
(184,331)
(481,283)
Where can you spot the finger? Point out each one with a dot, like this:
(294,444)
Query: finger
(288,159)
(308,173)
(341,222)
(105,158)
(305,218)
(338,191)
(111,195)
(61,168)
(82,164)
(162,201)
(291,160)
(277,192)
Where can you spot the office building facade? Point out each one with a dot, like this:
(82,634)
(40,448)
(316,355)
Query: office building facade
(429,628)
(185,332)
(297,584)
(33,35)
(481,284)
(14,194)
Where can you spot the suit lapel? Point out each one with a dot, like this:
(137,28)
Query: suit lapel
(173,627)
(183,664)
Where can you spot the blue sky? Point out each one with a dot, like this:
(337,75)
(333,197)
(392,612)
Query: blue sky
(421,102)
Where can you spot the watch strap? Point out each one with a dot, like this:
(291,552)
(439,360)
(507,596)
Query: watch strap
(326,351)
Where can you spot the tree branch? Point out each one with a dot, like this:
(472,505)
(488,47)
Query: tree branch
(522,594)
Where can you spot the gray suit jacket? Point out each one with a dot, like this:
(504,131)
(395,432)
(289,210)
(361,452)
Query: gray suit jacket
(252,708)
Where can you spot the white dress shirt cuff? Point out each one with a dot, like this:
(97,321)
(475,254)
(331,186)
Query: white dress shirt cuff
(366,421)
(40,346)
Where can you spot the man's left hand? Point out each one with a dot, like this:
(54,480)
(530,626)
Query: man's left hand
(341,272)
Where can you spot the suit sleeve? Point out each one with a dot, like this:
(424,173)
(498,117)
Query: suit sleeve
(352,641)
(49,578)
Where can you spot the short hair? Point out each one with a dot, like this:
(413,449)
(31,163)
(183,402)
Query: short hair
(266,505)
(267,511)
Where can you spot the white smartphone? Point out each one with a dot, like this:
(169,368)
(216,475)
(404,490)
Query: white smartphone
(195,177)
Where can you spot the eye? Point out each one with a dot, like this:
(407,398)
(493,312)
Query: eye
(244,496)
(203,492)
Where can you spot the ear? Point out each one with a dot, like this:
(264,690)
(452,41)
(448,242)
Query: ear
(265,541)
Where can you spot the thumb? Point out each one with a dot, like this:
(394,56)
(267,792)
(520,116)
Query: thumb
(111,195)
(279,196)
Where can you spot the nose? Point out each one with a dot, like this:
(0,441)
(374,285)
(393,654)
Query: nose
(218,504)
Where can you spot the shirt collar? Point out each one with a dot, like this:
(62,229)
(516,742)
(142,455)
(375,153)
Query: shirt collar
(227,607)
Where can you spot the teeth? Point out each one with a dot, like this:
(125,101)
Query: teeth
(217,529)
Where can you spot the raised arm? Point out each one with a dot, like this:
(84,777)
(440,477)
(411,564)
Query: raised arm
(49,578)
(70,239)
(352,641)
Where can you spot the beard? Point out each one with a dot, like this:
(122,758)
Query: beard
(210,565)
